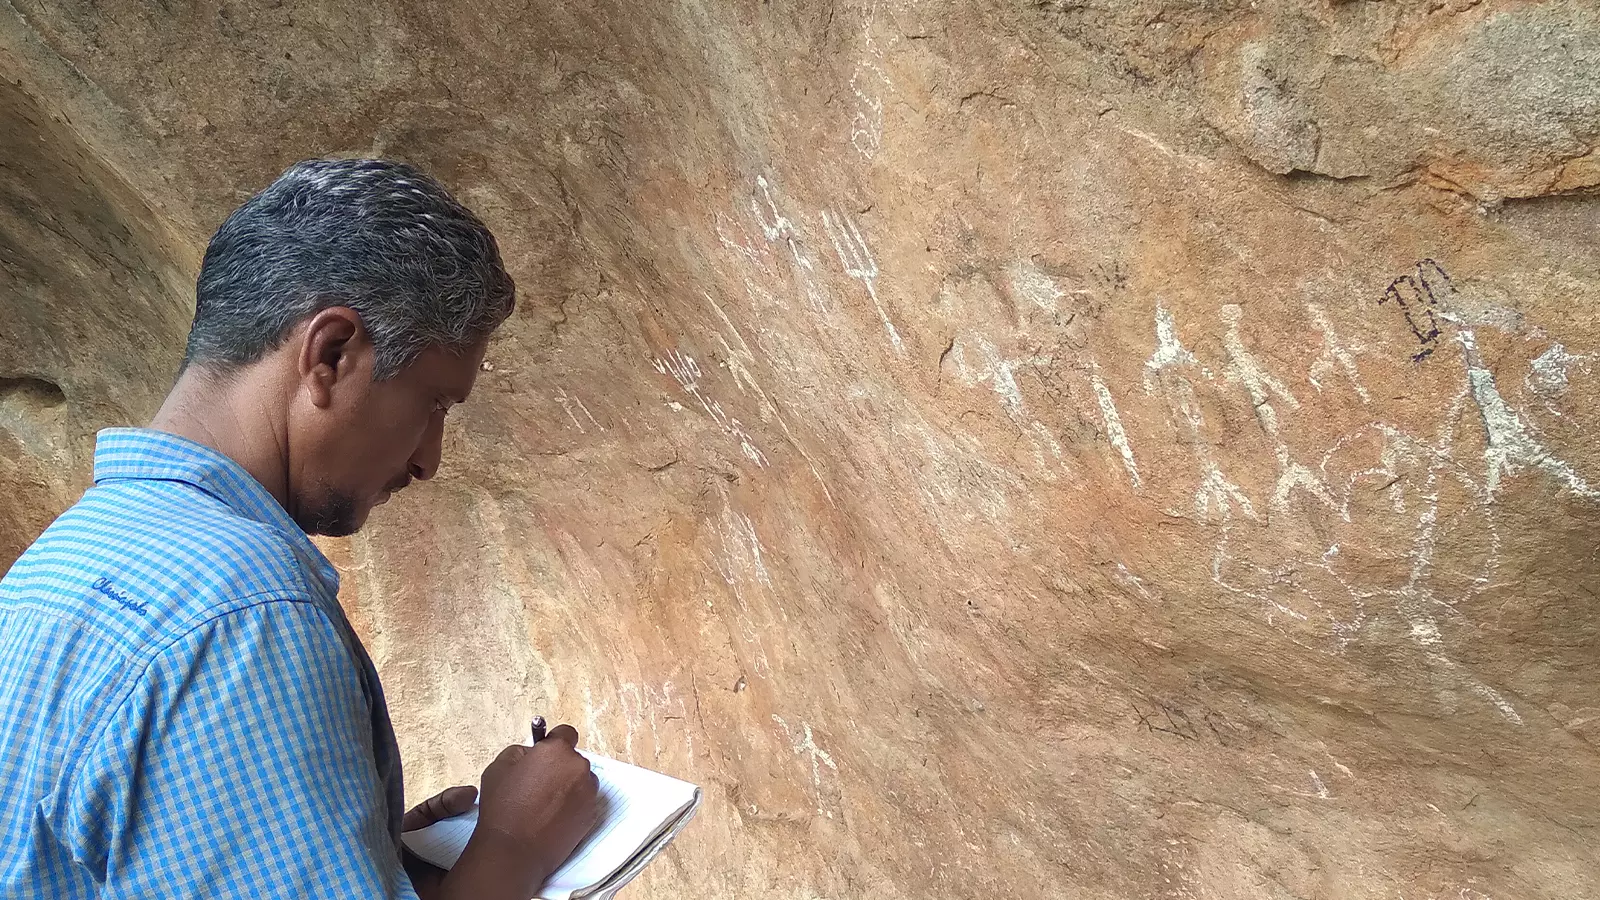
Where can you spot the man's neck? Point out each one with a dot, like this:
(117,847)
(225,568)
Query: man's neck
(233,415)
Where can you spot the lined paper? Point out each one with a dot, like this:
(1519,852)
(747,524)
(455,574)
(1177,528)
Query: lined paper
(640,812)
(442,842)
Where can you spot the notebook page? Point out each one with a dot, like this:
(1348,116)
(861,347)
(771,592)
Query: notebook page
(442,842)
(640,805)
(633,867)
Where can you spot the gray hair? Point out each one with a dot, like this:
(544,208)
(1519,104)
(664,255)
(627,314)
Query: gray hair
(376,236)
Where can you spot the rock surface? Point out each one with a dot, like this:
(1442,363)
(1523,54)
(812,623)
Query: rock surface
(1103,449)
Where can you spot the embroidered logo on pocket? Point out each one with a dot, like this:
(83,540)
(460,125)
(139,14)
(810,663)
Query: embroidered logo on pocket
(103,586)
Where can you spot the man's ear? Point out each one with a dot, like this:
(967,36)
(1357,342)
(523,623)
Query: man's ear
(334,349)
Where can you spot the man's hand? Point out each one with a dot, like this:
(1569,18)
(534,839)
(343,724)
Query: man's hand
(448,802)
(537,803)
(427,878)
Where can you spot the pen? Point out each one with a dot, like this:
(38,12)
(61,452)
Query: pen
(538,729)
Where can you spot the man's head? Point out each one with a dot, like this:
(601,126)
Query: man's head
(364,295)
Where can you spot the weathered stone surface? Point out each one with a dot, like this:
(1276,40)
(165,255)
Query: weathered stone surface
(91,297)
(1123,448)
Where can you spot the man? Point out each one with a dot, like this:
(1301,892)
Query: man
(185,711)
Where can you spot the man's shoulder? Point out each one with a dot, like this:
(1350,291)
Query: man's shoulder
(136,588)
(154,557)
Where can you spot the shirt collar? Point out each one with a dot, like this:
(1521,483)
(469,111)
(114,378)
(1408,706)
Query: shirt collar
(143,454)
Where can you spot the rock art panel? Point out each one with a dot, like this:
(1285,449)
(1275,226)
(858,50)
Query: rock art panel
(1093,449)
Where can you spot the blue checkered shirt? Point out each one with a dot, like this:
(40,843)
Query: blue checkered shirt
(184,709)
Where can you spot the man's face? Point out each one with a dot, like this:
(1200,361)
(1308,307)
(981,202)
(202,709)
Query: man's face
(374,438)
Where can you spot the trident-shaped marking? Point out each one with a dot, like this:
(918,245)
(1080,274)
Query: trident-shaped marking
(858,262)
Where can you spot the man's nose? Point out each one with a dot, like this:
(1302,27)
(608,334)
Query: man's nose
(424,463)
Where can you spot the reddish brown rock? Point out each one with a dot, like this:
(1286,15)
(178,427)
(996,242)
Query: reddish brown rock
(1104,449)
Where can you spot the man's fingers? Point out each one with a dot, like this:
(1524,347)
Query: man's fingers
(416,817)
(566,734)
(450,802)
(458,799)
(510,754)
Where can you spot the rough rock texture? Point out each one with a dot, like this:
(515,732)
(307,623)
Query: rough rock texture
(1102,449)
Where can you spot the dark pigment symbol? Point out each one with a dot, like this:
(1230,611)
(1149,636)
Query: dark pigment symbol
(1418,295)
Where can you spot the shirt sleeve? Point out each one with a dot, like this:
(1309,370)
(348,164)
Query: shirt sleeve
(240,766)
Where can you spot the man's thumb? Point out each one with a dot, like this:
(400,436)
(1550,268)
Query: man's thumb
(458,800)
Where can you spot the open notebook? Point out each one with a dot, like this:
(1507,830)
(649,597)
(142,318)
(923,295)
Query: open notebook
(640,813)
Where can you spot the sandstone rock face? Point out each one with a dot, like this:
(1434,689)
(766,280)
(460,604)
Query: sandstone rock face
(1104,449)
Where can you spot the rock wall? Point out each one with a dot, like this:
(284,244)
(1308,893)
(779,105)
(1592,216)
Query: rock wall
(1103,449)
